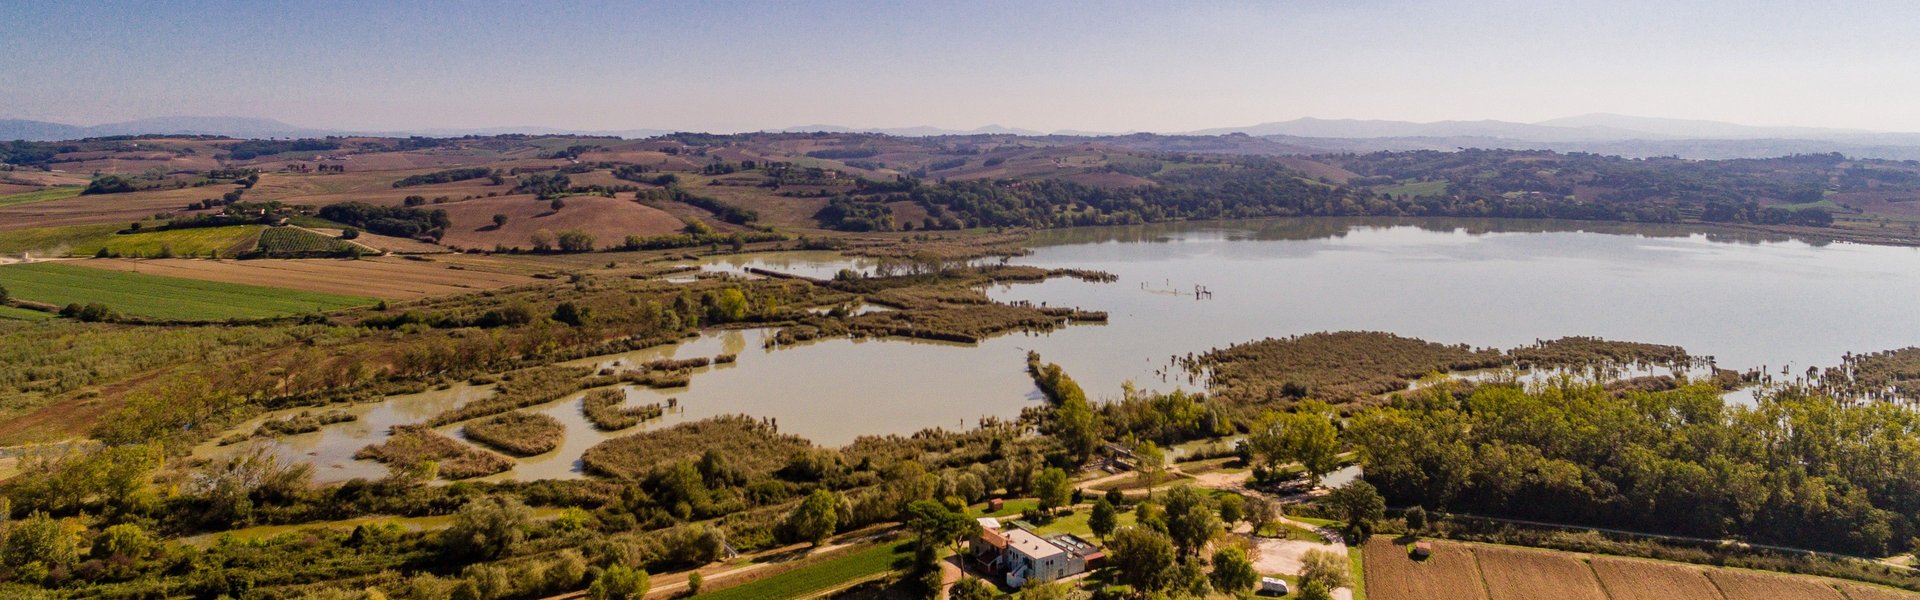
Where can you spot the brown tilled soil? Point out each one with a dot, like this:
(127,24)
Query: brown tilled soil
(1626,579)
(385,277)
(610,220)
(1516,574)
(1449,574)
(1861,591)
(1747,585)
(106,208)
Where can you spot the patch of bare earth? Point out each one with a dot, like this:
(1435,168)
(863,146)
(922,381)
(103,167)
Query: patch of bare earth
(1448,574)
(608,220)
(1746,585)
(1516,574)
(1626,579)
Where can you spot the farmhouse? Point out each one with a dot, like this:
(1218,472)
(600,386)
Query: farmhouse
(1023,556)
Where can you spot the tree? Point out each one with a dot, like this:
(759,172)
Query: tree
(1142,558)
(1261,512)
(570,313)
(499,220)
(816,517)
(620,583)
(1104,519)
(936,525)
(1314,590)
(1054,489)
(1190,520)
(1416,519)
(568,568)
(557,204)
(1360,504)
(3,294)
(40,538)
(1151,462)
(970,588)
(542,241)
(350,233)
(487,527)
(125,540)
(1232,571)
(1233,508)
(1327,568)
(694,580)
(1307,436)
(574,240)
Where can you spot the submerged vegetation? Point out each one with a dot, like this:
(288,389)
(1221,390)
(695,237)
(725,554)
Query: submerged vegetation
(517,433)
(418,449)
(604,409)
(1346,366)
(745,442)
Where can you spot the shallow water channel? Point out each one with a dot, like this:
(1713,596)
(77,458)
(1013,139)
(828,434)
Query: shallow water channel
(1747,300)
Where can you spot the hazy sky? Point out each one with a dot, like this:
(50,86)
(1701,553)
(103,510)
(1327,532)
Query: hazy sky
(1112,66)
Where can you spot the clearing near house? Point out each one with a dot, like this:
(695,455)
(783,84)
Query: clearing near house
(389,278)
(163,297)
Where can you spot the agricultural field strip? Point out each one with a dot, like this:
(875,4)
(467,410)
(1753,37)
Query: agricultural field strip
(162,297)
(1518,573)
(392,279)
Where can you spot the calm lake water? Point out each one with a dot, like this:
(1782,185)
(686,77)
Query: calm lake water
(1747,300)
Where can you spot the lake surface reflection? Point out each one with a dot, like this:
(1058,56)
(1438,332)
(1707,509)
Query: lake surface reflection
(1749,300)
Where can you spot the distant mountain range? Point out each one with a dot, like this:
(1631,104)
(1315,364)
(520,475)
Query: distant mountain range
(1600,133)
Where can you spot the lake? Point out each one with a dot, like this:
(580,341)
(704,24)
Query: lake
(1748,300)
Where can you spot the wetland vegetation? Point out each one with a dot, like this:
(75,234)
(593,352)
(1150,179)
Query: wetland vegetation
(624,414)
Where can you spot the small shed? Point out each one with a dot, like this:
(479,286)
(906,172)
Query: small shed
(995,505)
(1420,550)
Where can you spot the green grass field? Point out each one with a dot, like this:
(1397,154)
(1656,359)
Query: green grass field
(53,241)
(226,241)
(162,297)
(52,193)
(22,314)
(825,575)
(1076,524)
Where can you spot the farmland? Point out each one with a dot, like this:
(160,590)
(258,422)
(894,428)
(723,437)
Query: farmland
(386,277)
(826,574)
(226,242)
(608,220)
(295,242)
(1450,574)
(1750,585)
(53,241)
(1627,579)
(53,193)
(1458,570)
(22,314)
(162,297)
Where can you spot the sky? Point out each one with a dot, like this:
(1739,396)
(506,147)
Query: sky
(1088,66)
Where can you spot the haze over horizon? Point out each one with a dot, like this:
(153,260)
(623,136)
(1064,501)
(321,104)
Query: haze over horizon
(1051,67)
